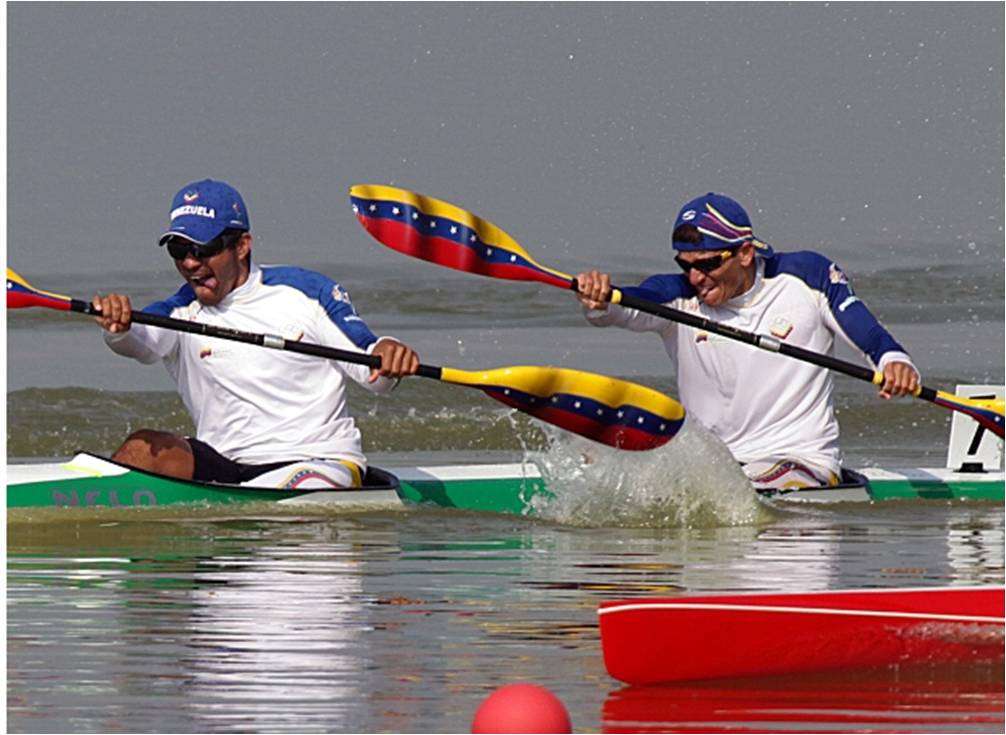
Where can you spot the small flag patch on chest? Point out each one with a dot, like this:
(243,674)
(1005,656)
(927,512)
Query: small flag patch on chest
(781,328)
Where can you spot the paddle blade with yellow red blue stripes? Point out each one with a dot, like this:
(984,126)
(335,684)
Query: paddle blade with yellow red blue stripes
(607,410)
(21,295)
(438,232)
(988,412)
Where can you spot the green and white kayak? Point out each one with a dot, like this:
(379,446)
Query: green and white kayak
(88,480)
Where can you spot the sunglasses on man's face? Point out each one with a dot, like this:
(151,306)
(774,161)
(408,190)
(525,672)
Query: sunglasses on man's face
(179,248)
(705,265)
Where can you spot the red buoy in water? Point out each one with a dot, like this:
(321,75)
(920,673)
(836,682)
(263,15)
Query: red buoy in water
(522,708)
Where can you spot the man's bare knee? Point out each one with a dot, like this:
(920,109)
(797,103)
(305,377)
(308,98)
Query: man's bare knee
(157,451)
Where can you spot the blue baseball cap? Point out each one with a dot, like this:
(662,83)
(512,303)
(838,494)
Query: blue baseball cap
(723,223)
(204,209)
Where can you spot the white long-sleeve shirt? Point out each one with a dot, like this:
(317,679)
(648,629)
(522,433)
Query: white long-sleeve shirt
(255,405)
(763,405)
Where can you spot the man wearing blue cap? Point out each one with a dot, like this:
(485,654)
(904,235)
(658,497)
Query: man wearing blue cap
(275,419)
(774,414)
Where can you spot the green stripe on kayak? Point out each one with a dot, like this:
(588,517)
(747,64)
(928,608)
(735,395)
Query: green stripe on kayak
(496,495)
(89,481)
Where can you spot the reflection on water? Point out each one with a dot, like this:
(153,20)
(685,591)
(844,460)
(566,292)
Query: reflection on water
(274,628)
(957,698)
(404,621)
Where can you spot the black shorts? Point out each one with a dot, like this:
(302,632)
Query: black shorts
(211,466)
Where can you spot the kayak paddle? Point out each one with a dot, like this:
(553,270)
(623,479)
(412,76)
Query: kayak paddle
(441,233)
(614,412)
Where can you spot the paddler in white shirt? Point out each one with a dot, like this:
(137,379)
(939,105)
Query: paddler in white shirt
(774,413)
(267,418)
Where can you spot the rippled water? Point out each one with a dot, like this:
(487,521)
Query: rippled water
(403,622)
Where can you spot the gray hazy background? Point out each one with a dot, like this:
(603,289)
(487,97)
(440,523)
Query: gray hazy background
(871,131)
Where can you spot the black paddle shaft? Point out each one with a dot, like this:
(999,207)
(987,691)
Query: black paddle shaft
(758,340)
(264,340)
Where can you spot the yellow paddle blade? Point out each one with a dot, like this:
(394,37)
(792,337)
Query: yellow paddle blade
(441,233)
(608,410)
(986,411)
(21,294)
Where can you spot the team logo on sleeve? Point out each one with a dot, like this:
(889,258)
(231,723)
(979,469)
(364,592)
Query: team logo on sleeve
(849,301)
(836,276)
(340,294)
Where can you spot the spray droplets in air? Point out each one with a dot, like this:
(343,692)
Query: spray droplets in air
(693,481)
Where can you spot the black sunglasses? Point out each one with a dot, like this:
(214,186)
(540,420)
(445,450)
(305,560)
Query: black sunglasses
(706,265)
(179,248)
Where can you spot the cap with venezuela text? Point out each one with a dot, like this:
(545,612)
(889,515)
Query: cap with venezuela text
(204,209)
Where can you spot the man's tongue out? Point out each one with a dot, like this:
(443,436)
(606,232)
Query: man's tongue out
(209,282)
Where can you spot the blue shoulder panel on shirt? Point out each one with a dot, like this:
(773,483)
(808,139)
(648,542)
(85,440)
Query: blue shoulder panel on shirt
(333,299)
(824,276)
(810,267)
(662,288)
(182,297)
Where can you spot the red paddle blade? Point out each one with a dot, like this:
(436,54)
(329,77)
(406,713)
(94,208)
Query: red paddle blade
(21,295)
(438,232)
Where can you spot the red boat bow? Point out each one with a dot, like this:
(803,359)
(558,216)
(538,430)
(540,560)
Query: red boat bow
(649,641)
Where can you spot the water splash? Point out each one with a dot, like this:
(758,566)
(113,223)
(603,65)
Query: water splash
(692,482)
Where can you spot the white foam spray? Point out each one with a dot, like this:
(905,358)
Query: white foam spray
(692,482)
